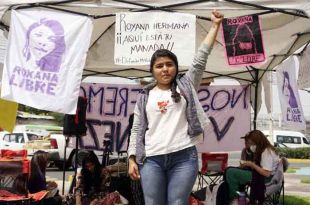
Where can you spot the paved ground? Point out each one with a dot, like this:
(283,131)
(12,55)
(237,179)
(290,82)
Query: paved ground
(292,185)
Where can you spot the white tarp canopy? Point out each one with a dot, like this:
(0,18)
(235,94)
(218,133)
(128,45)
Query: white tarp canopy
(285,25)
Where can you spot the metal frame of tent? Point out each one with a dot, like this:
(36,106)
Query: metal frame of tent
(254,72)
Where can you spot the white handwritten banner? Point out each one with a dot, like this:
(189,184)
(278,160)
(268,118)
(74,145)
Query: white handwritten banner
(304,69)
(139,34)
(45,57)
(228,108)
(292,113)
(243,40)
(109,107)
(107,115)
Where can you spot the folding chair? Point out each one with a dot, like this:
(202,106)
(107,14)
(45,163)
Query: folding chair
(14,165)
(213,167)
(275,188)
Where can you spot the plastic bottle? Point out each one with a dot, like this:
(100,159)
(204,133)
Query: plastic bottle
(242,198)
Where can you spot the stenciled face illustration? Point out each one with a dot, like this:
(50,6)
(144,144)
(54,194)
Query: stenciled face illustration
(41,42)
(243,41)
(286,91)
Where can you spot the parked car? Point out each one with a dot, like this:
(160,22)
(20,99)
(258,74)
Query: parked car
(30,141)
(290,139)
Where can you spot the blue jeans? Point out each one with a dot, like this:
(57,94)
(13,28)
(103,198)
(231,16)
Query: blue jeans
(168,179)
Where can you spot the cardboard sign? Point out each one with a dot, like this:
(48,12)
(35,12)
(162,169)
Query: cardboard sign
(243,40)
(139,34)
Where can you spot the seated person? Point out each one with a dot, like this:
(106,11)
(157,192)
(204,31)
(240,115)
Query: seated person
(262,168)
(91,181)
(246,153)
(37,181)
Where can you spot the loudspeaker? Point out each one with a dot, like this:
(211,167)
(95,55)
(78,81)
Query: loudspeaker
(76,124)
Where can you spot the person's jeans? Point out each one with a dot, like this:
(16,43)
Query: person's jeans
(168,179)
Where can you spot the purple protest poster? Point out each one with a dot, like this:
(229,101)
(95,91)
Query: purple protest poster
(243,40)
(109,106)
(45,58)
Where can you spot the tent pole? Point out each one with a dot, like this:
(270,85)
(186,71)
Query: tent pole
(303,50)
(228,75)
(3,26)
(76,154)
(250,71)
(64,165)
(298,12)
(288,53)
(143,5)
(256,95)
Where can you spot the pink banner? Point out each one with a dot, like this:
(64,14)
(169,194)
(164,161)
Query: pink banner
(243,40)
(109,107)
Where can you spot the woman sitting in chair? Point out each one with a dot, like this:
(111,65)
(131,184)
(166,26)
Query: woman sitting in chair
(91,181)
(37,181)
(262,168)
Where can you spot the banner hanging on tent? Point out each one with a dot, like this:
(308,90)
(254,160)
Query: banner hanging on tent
(45,58)
(304,69)
(292,113)
(8,112)
(109,107)
(243,40)
(227,107)
(139,34)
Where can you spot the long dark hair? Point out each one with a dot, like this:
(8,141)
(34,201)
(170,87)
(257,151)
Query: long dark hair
(166,53)
(90,179)
(38,165)
(292,101)
(261,142)
(243,34)
(52,61)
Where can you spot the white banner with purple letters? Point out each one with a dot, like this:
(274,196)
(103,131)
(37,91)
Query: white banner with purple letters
(292,113)
(109,107)
(45,58)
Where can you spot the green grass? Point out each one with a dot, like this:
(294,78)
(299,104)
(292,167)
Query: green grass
(305,180)
(291,170)
(296,200)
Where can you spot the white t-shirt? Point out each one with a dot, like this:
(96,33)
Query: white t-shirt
(167,124)
(269,160)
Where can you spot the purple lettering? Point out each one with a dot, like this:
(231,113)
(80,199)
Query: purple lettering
(54,78)
(12,82)
(39,86)
(37,76)
(51,88)
(46,76)
(29,85)
(124,102)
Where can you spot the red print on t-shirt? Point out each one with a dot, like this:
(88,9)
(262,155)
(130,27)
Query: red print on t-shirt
(162,105)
